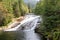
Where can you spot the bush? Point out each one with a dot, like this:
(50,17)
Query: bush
(10,9)
(5,16)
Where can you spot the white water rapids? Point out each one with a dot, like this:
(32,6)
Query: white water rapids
(25,30)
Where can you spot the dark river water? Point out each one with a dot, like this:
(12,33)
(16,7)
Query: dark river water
(27,33)
(19,36)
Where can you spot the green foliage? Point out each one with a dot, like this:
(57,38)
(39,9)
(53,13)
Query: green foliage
(23,8)
(16,10)
(50,11)
(10,9)
(19,8)
(5,18)
(8,5)
(56,35)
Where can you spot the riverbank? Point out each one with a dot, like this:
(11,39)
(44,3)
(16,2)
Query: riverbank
(16,20)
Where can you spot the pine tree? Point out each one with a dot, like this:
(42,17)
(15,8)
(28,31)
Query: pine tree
(50,11)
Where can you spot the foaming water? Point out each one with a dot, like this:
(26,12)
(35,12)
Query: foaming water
(27,35)
(25,30)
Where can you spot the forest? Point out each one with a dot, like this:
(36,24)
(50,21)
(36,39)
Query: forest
(49,10)
(11,9)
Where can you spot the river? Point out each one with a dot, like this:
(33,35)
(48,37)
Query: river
(26,32)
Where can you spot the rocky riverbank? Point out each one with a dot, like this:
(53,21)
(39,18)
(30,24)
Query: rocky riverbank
(16,21)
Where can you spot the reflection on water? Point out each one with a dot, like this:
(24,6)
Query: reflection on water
(7,35)
(27,33)
(19,35)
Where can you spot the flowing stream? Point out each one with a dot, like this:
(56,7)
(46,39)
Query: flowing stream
(25,30)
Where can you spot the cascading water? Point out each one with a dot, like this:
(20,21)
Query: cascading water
(25,30)
(27,35)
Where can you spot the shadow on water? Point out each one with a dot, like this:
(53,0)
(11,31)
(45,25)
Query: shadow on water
(12,36)
(7,35)
(19,36)
(27,34)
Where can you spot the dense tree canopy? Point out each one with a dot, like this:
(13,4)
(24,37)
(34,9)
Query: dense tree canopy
(10,9)
(50,11)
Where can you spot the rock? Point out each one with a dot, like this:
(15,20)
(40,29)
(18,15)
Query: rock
(20,19)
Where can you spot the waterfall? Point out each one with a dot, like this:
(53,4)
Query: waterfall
(25,30)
